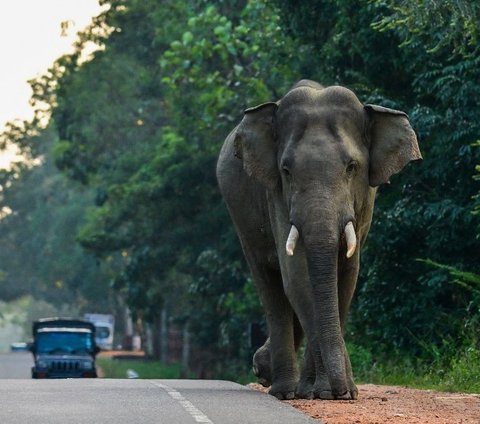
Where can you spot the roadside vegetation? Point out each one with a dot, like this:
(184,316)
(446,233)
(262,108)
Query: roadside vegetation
(457,372)
(119,368)
(117,203)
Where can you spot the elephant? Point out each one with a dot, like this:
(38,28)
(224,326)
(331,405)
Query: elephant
(299,178)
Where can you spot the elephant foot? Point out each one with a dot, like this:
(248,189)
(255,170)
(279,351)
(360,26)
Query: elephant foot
(304,394)
(283,391)
(352,388)
(261,366)
(353,391)
(263,381)
(304,389)
(326,393)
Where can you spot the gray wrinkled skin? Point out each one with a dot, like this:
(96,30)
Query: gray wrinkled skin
(312,159)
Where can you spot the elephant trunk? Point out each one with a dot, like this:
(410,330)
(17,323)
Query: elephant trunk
(322,243)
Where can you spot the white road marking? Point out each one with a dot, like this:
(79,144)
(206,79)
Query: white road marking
(196,414)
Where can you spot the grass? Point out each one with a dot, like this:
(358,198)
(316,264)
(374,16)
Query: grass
(460,373)
(117,368)
(150,369)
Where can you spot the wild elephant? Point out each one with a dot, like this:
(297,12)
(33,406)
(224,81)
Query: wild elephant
(299,178)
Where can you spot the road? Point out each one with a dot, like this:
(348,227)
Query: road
(16,365)
(105,401)
(140,401)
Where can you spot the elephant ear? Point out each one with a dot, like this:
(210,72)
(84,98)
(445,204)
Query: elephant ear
(393,143)
(255,144)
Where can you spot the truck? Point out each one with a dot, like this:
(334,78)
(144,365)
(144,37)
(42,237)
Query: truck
(63,348)
(104,325)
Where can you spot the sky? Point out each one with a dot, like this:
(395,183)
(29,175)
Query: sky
(30,41)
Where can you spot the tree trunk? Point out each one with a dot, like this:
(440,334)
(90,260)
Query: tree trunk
(148,345)
(127,339)
(164,335)
(185,352)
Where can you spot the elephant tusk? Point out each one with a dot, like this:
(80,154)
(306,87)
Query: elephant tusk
(351,239)
(292,240)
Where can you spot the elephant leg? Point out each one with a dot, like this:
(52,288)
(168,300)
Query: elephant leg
(280,319)
(307,376)
(309,371)
(298,290)
(262,358)
(351,384)
(347,280)
(262,364)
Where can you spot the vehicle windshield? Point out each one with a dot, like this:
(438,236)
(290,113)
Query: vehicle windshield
(64,342)
(102,332)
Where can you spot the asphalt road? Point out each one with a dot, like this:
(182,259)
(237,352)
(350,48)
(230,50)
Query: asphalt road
(108,401)
(16,365)
(104,401)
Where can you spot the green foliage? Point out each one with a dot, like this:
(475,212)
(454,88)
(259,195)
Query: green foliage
(16,317)
(476,197)
(428,214)
(467,280)
(222,293)
(40,256)
(117,368)
(455,24)
(347,50)
(457,372)
(463,373)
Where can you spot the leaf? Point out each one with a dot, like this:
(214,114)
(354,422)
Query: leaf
(187,38)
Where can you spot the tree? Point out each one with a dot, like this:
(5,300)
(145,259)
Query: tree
(40,255)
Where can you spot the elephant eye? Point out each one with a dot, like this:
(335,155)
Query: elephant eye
(352,167)
(286,171)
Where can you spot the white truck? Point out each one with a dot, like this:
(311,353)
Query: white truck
(104,326)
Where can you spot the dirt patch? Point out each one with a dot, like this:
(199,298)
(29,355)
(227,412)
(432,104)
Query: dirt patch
(393,405)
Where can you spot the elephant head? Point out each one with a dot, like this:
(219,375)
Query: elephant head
(320,153)
(323,150)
